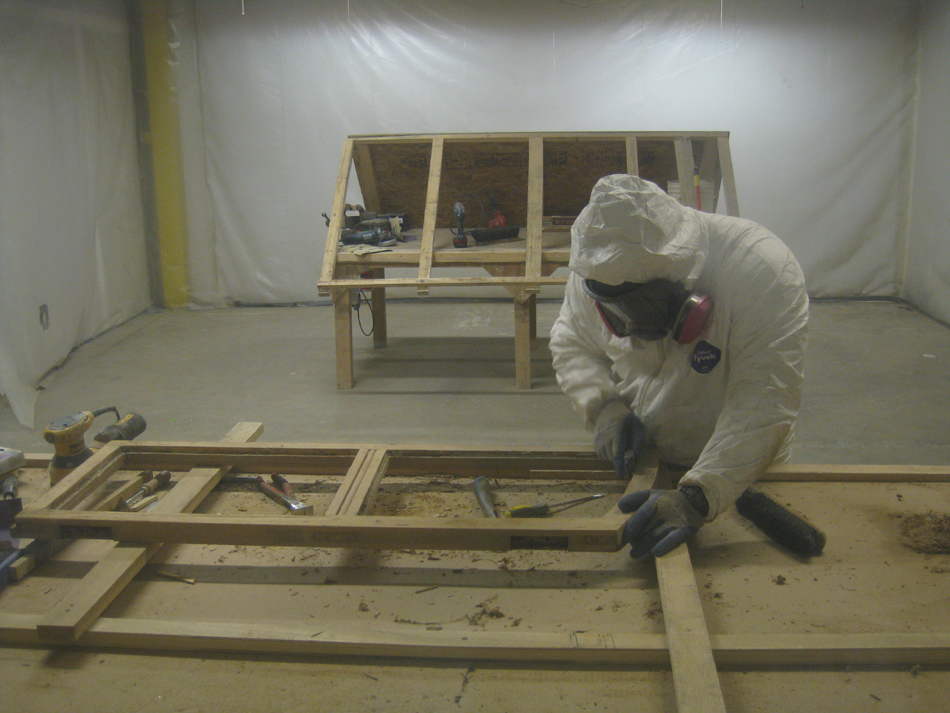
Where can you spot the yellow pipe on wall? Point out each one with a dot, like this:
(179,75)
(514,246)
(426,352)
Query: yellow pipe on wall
(165,142)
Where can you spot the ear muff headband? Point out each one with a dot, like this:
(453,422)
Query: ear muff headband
(692,317)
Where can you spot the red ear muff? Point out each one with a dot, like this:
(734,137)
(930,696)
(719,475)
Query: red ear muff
(692,318)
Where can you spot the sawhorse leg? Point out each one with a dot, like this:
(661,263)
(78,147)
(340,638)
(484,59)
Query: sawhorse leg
(343,329)
(378,298)
(526,331)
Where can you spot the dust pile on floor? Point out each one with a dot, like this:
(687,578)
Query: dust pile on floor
(927,533)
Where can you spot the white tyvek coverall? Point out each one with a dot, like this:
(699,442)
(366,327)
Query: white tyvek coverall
(723,405)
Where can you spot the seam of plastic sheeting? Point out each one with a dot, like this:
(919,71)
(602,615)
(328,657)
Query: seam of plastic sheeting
(67,16)
(928,277)
(204,289)
(902,253)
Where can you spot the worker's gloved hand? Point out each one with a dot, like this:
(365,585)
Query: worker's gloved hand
(663,519)
(618,437)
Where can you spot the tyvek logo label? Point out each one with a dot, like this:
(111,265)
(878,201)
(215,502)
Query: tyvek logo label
(705,357)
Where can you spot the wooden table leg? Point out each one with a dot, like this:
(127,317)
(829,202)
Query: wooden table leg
(344,338)
(378,297)
(523,329)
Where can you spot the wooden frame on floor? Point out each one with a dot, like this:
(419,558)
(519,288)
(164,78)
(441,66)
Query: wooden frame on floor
(687,647)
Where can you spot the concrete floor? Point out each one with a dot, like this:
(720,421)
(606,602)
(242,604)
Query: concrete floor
(877,380)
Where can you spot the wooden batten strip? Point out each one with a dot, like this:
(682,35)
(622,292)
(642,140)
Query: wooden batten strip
(535,210)
(598,535)
(429,219)
(633,156)
(366,174)
(423,283)
(344,493)
(684,170)
(503,136)
(728,176)
(473,257)
(365,491)
(858,473)
(751,652)
(336,217)
(426,459)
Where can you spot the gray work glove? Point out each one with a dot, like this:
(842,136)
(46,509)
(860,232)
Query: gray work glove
(618,437)
(662,519)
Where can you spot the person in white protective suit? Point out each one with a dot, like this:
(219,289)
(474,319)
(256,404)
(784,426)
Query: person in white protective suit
(685,330)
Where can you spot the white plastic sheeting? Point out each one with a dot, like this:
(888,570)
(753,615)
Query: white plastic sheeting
(819,98)
(927,281)
(72,258)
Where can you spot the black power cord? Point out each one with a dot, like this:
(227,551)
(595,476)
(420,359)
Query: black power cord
(360,299)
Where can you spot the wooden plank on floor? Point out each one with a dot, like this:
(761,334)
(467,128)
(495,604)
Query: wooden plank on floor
(77,611)
(695,677)
(835,473)
(370,532)
(333,638)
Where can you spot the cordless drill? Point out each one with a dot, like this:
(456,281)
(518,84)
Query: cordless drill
(66,435)
(460,240)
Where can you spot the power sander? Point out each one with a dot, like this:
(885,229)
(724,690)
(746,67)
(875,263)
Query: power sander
(10,461)
(67,436)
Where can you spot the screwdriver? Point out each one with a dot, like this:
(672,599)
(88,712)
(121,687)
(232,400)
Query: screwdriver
(545,509)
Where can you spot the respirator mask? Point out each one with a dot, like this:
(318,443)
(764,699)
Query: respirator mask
(650,310)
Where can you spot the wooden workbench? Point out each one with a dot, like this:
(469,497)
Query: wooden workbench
(540,181)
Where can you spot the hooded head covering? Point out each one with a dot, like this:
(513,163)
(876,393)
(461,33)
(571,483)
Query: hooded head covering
(631,231)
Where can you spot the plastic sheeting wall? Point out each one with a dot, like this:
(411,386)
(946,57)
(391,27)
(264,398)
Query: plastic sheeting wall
(927,281)
(819,98)
(72,260)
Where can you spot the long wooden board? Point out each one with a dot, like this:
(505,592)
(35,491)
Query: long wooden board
(367,532)
(751,651)
(695,678)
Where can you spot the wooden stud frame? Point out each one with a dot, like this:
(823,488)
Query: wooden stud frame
(693,654)
(535,176)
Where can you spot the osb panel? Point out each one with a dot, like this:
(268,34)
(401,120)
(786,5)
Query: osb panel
(478,172)
(657,161)
(572,167)
(401,174)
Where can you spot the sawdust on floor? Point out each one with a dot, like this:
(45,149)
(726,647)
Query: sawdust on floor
(927,533)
